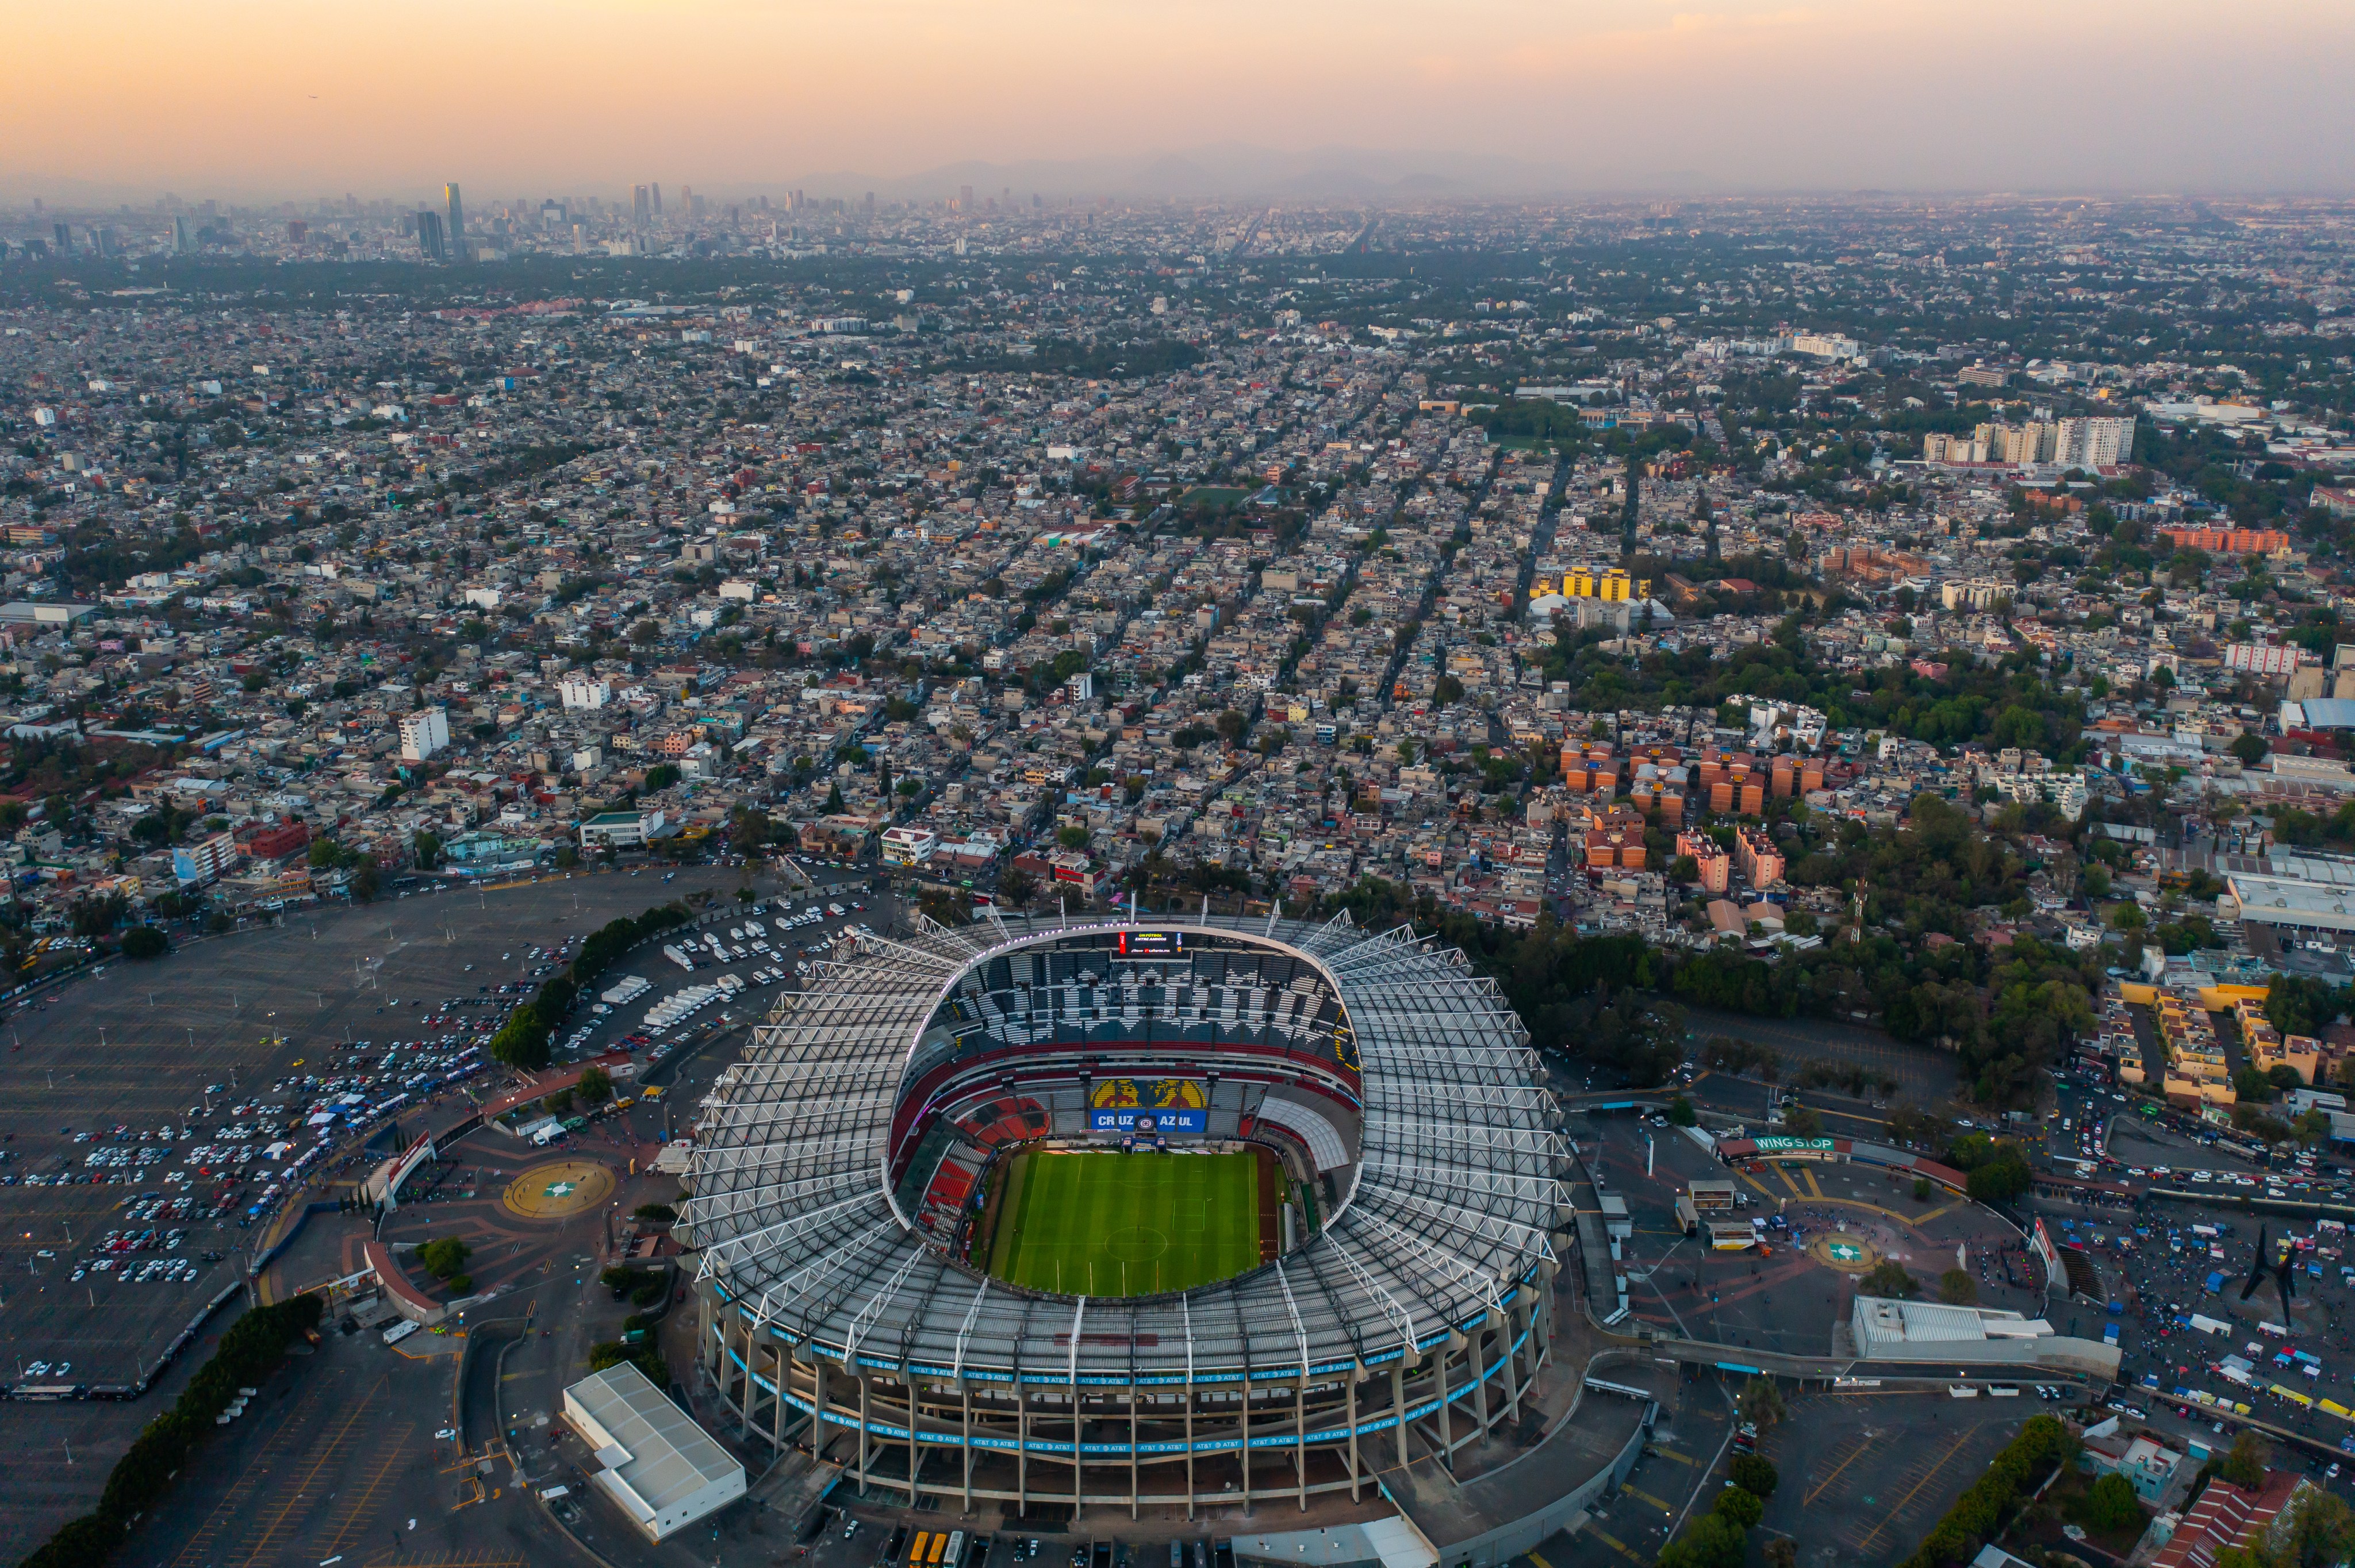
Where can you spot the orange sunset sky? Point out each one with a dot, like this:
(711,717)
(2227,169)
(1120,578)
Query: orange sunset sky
(244,99)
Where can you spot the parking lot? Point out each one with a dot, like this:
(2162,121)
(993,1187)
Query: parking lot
(1864,1476)
(212,1046)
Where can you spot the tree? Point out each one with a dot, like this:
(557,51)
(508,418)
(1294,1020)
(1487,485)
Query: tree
(146,942)
(1803,1121)
(522,1041)
(2249,749)
(1760,1402)
(596,1085)
(95,916)
(2110,1505)
(444,1257)
(1958,1288)
(2245,1463)
(1682,1114)
(427,847)
(1888,1279)
(1754,1474)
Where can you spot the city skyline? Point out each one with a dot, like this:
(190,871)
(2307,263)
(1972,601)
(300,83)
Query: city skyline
(123,100)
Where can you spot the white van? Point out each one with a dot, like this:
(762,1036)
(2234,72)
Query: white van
(400,1332)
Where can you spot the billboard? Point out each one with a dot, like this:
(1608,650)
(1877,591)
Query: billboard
(1793,1145)
(1149,1104)
(2041,1243)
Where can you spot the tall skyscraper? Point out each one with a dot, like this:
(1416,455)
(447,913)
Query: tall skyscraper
(641,209)
(428,235)
(183,235)
(65,237)
(457,209)
(656,188)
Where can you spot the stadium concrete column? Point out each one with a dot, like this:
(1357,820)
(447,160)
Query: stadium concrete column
(817,1408)
(1479,1360)
(746,1392)
(1133,1459)
(1353,1432)
(1300,1435)
(1189,1450)
(1447,1426)
(1398,1406)
(1512,1359)
(965,1429)
(1242,1443)
(703,1336)
(1021,1443)
(862,1424)
(915,1459)
(778,1373)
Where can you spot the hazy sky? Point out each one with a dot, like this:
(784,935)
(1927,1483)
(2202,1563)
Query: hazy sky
(248,98)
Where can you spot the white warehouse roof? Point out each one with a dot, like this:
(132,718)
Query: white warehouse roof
(664,1470)
(2286,901)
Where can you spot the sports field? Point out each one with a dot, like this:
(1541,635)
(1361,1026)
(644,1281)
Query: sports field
(1126,1225)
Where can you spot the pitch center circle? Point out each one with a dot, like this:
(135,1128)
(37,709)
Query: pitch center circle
(1136,1243)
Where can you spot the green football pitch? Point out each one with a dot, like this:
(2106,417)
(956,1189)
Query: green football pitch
(1126,1225)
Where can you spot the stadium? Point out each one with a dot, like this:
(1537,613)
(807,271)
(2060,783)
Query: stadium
(1056,1214)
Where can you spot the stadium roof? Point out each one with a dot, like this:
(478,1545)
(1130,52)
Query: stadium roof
(1455,1190)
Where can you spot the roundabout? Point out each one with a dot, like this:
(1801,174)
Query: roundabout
(1845,1253)
(558,1189)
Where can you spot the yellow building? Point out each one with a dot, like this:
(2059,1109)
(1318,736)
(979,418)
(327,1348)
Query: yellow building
(2195,1058)
(1612,586)
(2264,1047)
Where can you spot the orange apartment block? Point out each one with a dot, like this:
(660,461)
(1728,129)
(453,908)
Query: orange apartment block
(1716,867)
(1792,775)
(2229,541)
(1617,841)
(1762,863)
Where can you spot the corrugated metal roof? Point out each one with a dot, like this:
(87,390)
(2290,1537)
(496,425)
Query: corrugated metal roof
(670,1457)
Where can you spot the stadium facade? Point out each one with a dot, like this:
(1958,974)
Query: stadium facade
(1405,1310)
